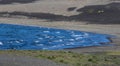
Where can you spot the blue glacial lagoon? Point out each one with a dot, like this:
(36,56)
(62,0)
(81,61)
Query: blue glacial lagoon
(43,38)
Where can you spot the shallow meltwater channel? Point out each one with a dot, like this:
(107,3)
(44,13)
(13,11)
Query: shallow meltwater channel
(43,38)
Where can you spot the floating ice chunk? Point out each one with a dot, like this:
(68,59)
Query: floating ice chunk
(39,44)
(70,44)
(10,42)
(60,40)
(37,41)
(86,34)
(21,40)
(74,35)
(17,41)
(72,39)
(54,46)
(57,32)
(46,31)
(45,48)
(78,38)
(1,43)
(40,38)
(47,36)
(61,36)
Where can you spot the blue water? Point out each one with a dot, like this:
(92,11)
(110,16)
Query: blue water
(42,38)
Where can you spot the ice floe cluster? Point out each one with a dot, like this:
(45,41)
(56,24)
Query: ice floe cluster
(42,38)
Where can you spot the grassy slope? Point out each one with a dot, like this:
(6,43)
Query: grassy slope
(73,59)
